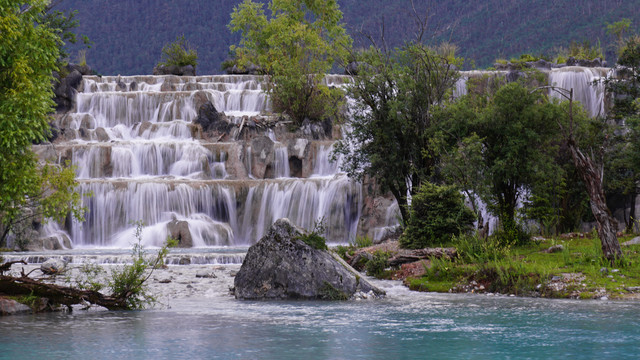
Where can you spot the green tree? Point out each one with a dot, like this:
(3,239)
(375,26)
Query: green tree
(28,54)
(296,45)
(518,135)
(179,53)
(394,135)
(62,23)
(619,30)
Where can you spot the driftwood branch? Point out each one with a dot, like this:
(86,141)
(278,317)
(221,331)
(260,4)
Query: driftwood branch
(7,266)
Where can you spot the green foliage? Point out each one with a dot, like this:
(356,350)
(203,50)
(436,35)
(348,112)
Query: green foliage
(28,54)
(473,249)
(296,45)
(129,281)
(477,30)
(179,53)
(437,213)
(88,279)
(55,198)
(623,165)
(362,242)
(314,238)
(63,23)
(172,243)
(378,263)
(393,126)
(519,136)
(619,30)
(579,51)
(509,276)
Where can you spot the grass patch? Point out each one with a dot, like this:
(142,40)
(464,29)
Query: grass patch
(578,270)
(424,284)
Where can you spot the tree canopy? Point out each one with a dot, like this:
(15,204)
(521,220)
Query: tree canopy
(393,123)
(28,55)
(295,45)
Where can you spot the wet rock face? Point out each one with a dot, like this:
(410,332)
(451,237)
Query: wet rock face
(262,157)
(65,87)
(281,266)
(212,120)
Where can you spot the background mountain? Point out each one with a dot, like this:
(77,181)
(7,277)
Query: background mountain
(128,35)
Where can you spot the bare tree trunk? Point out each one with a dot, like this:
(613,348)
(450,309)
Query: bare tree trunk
(607,225)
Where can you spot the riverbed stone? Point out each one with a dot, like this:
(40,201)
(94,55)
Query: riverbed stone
(205,274)
(53,266)
(12,307)
(282,266)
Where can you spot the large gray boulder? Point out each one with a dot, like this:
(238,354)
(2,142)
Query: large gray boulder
(281,266)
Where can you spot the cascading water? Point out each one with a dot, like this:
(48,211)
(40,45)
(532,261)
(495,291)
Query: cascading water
(586,85)
(140,157)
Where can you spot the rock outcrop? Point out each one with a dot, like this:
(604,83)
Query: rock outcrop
(282,266)
(66,84)
(187,70)
(212,120)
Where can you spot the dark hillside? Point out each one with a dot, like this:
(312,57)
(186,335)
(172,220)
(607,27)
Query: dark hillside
(128,35)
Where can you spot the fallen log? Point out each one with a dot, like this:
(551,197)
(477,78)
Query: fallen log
(57,294)
(409,256)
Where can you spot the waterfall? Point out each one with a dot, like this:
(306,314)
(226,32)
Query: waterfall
(139,158)
(587,89)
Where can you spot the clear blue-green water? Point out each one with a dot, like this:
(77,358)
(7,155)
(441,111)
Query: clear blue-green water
(406,325)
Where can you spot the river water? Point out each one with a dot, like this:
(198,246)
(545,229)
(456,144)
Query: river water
(198,319)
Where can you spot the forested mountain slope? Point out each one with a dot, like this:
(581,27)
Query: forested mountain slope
(128,35)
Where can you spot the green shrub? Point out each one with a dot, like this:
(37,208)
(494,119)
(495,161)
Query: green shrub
(377,265)
(437,213)
(179,53)
(128,282)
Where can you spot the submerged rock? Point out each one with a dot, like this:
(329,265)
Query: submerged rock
(282,266)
